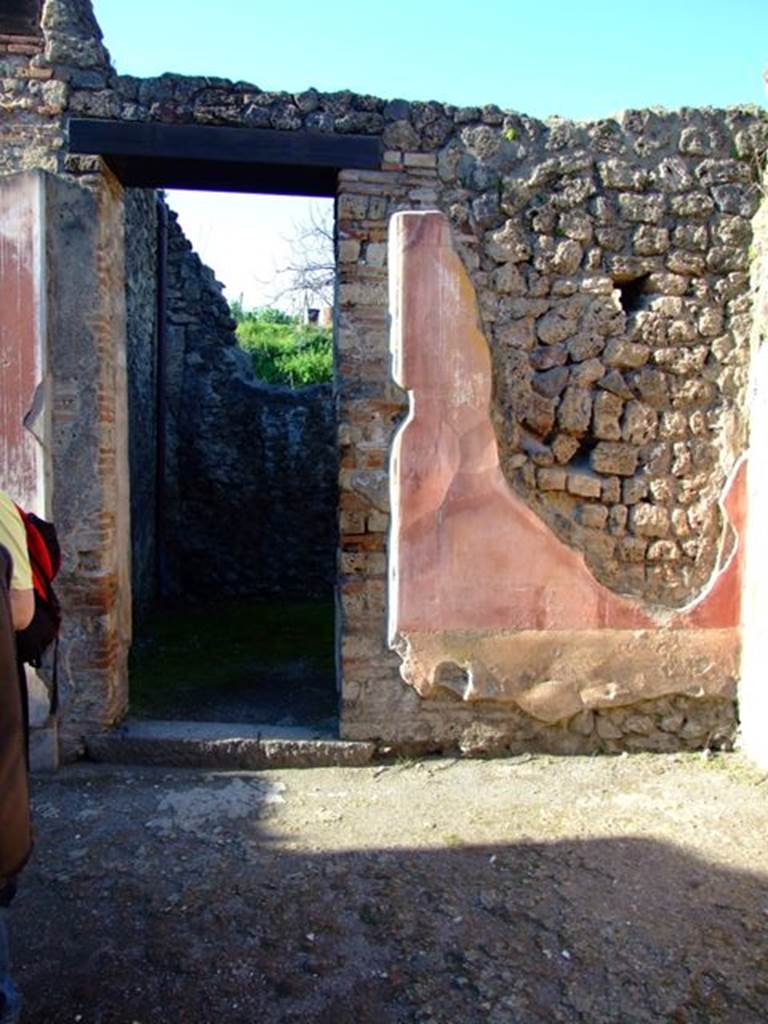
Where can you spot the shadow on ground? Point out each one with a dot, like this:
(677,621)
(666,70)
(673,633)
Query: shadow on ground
(176,896)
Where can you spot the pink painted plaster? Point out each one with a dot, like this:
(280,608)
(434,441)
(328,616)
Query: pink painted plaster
(467,553)
(21,348)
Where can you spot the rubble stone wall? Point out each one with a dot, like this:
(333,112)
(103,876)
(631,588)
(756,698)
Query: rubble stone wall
(141,354)
(610,261)
(251,470)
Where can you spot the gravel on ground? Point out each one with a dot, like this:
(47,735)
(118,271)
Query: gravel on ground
(610,890)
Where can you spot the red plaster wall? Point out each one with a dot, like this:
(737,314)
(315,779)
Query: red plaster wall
(21,335)
(468,553)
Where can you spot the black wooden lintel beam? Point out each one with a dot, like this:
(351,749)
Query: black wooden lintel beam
(231,159)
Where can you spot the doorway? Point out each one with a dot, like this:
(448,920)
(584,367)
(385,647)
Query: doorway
(232,457)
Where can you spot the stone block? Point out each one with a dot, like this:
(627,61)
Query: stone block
(639,423)
(673,425)
(593,516)
(651,385)
(349,250)
(553,328)
(351,522)
(567,257)
(648,208)
(564,447)
(642,725)
(551,383)
(378,522)
(508,244)
(426,160)
(606,729)
(508,280)
(538,413)
(631,549)
(583,723)
(547,357)
(614,382)
(587,373)
(617,520)
(690,264)
(662,490)
(625,354)
(551,478)
(575,411)
(611,490)
(663,551)
(649,520)
(583,485)
(650,241)
(614,458)
(607,409)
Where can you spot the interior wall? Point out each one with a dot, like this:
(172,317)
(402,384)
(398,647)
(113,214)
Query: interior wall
(141,294)
(249,491)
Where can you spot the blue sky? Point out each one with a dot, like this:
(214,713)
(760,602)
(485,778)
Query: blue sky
(578,59)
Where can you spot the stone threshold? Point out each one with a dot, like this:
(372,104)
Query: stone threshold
(227,746)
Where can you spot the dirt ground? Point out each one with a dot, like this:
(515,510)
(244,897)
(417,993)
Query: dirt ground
(519,891)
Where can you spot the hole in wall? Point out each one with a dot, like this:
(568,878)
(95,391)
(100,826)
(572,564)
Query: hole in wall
(631,292)
(452,676)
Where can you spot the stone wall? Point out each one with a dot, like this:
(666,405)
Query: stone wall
(610,265)
(141,351)
(251,470)
(753,692)
(621,338)
(87,463)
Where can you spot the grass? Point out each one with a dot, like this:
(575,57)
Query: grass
(186,655)
(284,351)
(735,765)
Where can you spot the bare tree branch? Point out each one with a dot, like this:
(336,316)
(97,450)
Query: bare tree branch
(310,275)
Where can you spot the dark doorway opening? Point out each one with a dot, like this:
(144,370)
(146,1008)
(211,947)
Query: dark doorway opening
(237,622)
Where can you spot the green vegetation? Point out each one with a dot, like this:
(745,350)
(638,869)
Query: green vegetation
(282,349)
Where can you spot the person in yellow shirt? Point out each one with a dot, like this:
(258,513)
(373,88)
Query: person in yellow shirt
(13,537)
(17,605)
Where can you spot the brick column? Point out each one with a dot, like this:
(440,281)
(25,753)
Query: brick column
(375,703)
(90,452)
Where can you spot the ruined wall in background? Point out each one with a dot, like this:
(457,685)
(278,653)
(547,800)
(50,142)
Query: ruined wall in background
(251,470)
(141,356)
(249,492)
